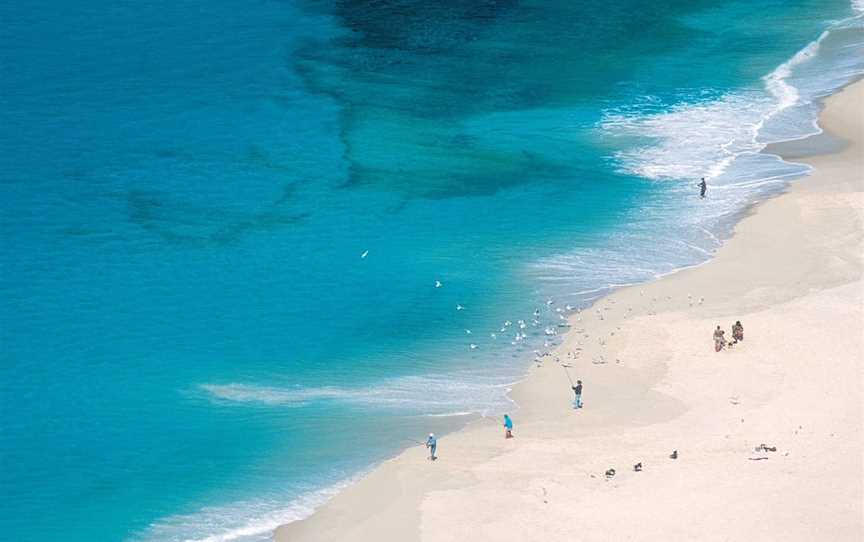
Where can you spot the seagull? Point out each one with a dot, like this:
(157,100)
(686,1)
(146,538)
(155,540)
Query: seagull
(365,253)
(468,332)
(473,346)
(438,284)
(460,308)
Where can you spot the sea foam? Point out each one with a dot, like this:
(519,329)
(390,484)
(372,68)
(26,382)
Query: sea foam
(705,138)
(720,137)
(422,395)
(244,521)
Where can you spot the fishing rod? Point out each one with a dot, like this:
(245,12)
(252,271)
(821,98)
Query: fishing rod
(568,374)
(415,440)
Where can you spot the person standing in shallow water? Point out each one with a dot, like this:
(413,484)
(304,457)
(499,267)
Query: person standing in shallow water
(577,390)
(703,187)
(432,443)
(508,426)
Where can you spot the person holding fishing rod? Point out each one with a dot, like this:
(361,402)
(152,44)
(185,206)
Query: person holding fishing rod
(577,389)
(432,443)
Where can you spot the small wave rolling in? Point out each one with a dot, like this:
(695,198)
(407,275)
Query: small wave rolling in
(223,228)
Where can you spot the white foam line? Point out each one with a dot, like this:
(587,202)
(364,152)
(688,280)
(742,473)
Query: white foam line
(711,235)
(426,394)
(697,248)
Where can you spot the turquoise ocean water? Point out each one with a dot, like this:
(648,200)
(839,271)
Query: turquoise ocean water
(192,346)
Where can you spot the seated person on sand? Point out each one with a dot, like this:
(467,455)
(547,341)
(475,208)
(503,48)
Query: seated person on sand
(719,339)
(738,331)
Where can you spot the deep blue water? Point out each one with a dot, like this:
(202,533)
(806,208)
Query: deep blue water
(192,346)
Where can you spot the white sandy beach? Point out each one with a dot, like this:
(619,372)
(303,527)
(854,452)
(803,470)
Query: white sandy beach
(792,273)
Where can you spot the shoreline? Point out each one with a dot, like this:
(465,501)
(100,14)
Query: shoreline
(401,498)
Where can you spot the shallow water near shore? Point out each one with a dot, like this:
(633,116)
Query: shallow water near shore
(194,346)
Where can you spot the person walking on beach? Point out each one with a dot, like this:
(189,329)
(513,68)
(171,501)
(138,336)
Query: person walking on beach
(432,443)
(577,390)
(703,187)
(738,331)
(719,339)
(508,426)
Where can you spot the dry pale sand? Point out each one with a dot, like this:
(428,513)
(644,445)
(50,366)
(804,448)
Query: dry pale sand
(793,275)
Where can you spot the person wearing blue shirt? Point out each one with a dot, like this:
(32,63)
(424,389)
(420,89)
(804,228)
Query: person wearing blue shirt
(508,426)
(432,443)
